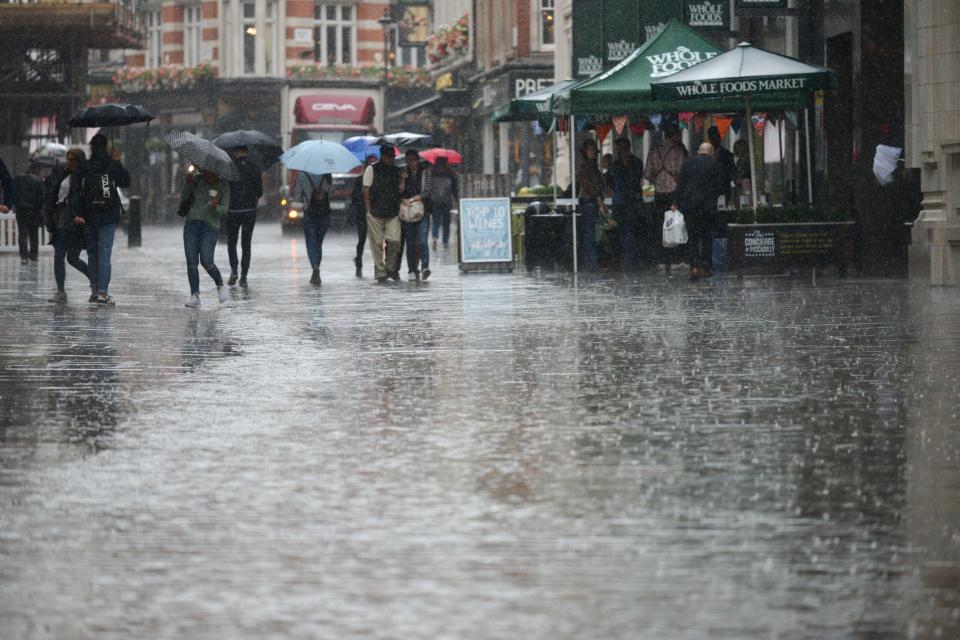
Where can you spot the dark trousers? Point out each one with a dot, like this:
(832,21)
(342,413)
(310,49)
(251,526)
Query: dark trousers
(240,226)
(28,237)
(629,217)
(589,212)
(67,244)
(199,245)
(361,233)
(440,215)
(662,204)
(314,231)
(701,226)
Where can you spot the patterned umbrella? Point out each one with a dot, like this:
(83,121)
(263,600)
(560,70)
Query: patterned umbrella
(204,155)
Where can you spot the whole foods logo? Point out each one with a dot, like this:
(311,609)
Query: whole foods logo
(650,31)
(665,64)
(705,14)
(617,51)
(589,66)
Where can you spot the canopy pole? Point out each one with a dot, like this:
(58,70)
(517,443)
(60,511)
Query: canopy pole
(753,160)
(573,186)
(806,126)
(556,149)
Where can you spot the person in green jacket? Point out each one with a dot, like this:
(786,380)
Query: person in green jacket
(204,201)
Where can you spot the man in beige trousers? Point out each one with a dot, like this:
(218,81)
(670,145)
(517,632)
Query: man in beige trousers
(381,197)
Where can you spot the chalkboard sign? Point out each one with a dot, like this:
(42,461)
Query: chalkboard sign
(485,238)
(815,243)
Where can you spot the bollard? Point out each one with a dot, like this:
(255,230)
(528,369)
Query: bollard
(133,225)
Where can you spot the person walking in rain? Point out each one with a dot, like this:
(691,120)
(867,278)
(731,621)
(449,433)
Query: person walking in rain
(66,235)
(663,170)
(444,195)
(314,192)
(95,203)
(590,190)
(204,201)
(728,164)
(6,189)
(28,198)
(625,179)
(381,198)
(244,195)
(359,215)
(415,186)
(699,186)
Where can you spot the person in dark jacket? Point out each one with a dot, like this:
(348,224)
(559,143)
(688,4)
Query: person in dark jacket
(357,211)
(625,179)
(66,236)
(28,205)
(6,189)
(415,185)
(699,186)
(728,165)
(95,203)
(244,195)
(381,199)
(444,195)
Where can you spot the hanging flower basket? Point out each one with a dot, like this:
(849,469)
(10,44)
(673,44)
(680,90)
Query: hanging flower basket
(137,80)
(449,42)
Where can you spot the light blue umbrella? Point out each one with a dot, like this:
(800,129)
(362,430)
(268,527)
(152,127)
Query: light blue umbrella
(320,157)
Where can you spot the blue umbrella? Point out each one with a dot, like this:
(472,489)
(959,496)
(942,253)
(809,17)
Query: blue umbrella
(362,147)
(319,157)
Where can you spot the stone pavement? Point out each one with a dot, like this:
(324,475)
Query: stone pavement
(478,456)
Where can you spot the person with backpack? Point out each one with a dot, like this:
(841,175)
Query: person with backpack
(414,190)
(95,204)
(66,236)
(28,195)
(314,192)
(357,212)
(381,199)
(444,195)
(244,195)
(204,202)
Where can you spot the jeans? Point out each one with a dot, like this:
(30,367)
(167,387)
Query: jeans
(361,218)
(629,227)
(588,209)
(418,251)
(441,218)
(99,252)
(66,248)
(199,244)
(240,225)
(28,237)
(314,230)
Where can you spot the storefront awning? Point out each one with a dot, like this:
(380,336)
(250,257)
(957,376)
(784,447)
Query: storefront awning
(532,106)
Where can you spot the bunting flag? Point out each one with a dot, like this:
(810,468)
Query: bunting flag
(581,123)
(637,129)
(759,122)
(656,119)
(619,122)
(698,121)
(792,117)
(722,123)
(736,124)
(603,130)
(686,116)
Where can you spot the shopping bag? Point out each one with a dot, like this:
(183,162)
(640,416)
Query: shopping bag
(674,229)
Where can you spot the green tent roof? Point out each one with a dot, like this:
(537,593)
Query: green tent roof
(531,106)
(627,87)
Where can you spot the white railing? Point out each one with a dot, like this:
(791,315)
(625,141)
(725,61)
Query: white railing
(8,234)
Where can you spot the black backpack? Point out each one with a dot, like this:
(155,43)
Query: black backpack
(99,194)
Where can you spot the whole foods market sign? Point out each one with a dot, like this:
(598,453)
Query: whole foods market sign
(668,63)
(706,14)
(739,87)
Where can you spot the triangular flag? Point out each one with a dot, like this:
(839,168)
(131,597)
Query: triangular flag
(737,124)
(637,129)
(722,123)
(619,122)
(698,121)
(686,116)
(603,130)
(581,123)
(655,120)
(792,117)
(759,121)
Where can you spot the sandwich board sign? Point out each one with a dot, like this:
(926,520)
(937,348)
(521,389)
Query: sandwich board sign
(486,239)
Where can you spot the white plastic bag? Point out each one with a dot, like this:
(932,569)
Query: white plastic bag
(674,229)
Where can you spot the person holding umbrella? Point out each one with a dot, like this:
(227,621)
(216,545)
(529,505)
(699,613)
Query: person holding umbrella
(95,203)
(381,198)
(358,214)
(244,195)
(204,201)
(314,192)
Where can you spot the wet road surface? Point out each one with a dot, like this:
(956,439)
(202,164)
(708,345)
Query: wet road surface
(478,456)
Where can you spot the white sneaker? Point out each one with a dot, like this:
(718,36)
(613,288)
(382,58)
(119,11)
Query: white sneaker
(222,292)
(193,302)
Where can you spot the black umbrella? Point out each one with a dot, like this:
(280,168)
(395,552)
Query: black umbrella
(204,155)
(110,115)
(408,140)
(263,149)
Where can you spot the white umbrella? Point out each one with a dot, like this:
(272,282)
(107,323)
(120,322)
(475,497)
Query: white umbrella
(319,157)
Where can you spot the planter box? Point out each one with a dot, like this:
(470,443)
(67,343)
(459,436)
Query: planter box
(790,244)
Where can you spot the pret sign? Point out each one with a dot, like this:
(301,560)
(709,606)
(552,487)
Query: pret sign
(485,235)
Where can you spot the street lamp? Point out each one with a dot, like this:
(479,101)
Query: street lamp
(386,22)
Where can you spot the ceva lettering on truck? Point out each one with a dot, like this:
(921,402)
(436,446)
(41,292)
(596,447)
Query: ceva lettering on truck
(330,106)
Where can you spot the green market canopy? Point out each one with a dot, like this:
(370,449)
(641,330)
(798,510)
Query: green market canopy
(533,106)
(769,80)
(627,88)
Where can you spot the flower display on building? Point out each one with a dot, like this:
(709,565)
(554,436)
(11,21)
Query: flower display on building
(403,77)
(449,42)
(137,80)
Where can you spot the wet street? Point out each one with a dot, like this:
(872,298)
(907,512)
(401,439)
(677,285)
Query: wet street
(477,456)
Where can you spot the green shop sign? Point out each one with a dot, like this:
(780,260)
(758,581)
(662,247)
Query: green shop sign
(761,4)
(707,14)
(621,30)
(654,16)
(588,42)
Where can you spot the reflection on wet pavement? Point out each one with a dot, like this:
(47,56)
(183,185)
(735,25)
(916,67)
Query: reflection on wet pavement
(478,456)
